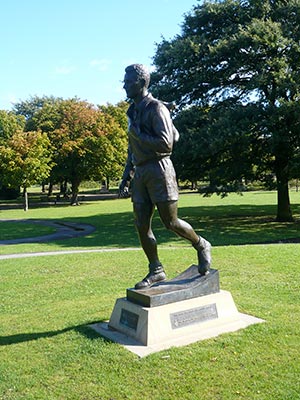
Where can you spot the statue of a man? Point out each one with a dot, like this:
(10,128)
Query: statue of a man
(151,135)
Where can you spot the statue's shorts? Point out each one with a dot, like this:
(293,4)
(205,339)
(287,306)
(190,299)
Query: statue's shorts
(154,182)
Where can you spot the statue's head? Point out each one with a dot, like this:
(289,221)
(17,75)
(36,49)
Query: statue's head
(141,72)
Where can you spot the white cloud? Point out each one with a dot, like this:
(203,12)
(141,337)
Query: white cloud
(64,70)
(100,65)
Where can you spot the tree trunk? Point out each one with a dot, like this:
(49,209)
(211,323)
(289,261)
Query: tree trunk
(50,189)
(75,191)
(25,194)
(284,212)
(63,188)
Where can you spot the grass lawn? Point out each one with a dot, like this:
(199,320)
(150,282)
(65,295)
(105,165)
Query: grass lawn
(48,352)
(11,230)
(234,220)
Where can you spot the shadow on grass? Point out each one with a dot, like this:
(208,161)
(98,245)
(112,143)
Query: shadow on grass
(28,337)
(221,225)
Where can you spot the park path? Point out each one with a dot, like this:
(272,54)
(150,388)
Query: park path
(64,230)
(61,252)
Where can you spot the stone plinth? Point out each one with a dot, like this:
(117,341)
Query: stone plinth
(144,330)
(178,312)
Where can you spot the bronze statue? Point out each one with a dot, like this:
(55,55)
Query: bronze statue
(151,135)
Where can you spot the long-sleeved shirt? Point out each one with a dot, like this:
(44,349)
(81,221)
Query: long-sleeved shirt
(151,133)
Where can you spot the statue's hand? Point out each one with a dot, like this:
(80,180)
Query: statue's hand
(123,190)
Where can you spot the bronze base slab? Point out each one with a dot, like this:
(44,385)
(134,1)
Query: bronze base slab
(187,285)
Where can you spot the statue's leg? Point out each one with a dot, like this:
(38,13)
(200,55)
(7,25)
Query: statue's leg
(168,212)
(143,213)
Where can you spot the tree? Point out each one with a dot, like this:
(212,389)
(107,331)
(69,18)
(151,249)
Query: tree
(28,108)
(210,149)
(238,62)
(117,138)
(25,159)
(87,141)
(9,125)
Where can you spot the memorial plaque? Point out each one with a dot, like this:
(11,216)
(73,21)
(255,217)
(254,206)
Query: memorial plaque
(193,316)
(129,319)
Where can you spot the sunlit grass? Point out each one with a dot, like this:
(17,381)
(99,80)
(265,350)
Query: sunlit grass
(48,352)
(13,230)
(234,220)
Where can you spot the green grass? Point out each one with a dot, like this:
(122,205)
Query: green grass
(12,230)
(234,220)
(48,352)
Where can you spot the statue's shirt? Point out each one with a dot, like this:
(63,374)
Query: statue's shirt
(151,131)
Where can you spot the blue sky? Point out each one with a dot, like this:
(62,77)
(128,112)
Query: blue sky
(68,48)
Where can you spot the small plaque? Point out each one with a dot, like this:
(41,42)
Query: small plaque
(129,319)
(193,316)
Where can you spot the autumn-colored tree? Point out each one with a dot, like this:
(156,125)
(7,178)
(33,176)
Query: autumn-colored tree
(28,108)
(117,137)
(89,143)
(25,159)
(10,123)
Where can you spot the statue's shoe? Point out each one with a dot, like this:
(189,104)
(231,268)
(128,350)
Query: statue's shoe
(203,248)
(150,279)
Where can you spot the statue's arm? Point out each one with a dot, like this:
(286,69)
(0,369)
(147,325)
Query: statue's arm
(126,177)
(162,134)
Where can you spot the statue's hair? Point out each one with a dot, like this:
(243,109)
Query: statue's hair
(141,71)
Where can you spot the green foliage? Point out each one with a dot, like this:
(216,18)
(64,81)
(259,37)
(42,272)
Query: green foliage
(28,108)
(117,136)
(25,159)
(237,62)
(118,112)
(9,124)
(88,142)
(210,149)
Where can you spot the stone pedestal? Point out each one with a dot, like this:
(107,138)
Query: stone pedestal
(183,310)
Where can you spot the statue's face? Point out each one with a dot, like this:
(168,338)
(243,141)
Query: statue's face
(132,85)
